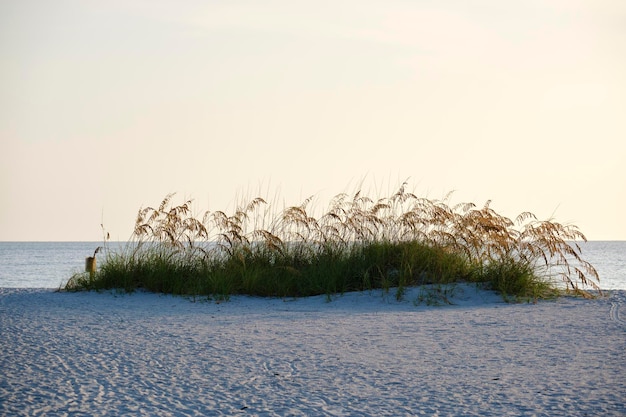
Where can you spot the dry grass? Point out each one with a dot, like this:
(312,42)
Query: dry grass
(262,244)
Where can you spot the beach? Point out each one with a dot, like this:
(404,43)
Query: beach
(359,354)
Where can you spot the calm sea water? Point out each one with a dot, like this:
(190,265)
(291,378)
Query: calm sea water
(50,264)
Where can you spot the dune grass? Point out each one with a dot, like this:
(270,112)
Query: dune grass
(358,243)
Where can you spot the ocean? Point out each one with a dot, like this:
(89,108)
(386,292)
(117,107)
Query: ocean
(51,264)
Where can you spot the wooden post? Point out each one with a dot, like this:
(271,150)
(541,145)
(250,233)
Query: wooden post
(90,265)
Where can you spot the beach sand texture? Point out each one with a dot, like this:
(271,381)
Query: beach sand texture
(362,354)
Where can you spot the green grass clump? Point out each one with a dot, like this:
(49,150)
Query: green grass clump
(357,244)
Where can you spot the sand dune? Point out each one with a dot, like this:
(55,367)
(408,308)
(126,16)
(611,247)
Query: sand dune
(362,354)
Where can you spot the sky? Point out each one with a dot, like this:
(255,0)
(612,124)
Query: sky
(106,107)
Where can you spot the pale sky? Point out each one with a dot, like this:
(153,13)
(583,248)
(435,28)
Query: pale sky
(108,106)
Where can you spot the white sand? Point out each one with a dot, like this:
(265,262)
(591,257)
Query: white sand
(361,354)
